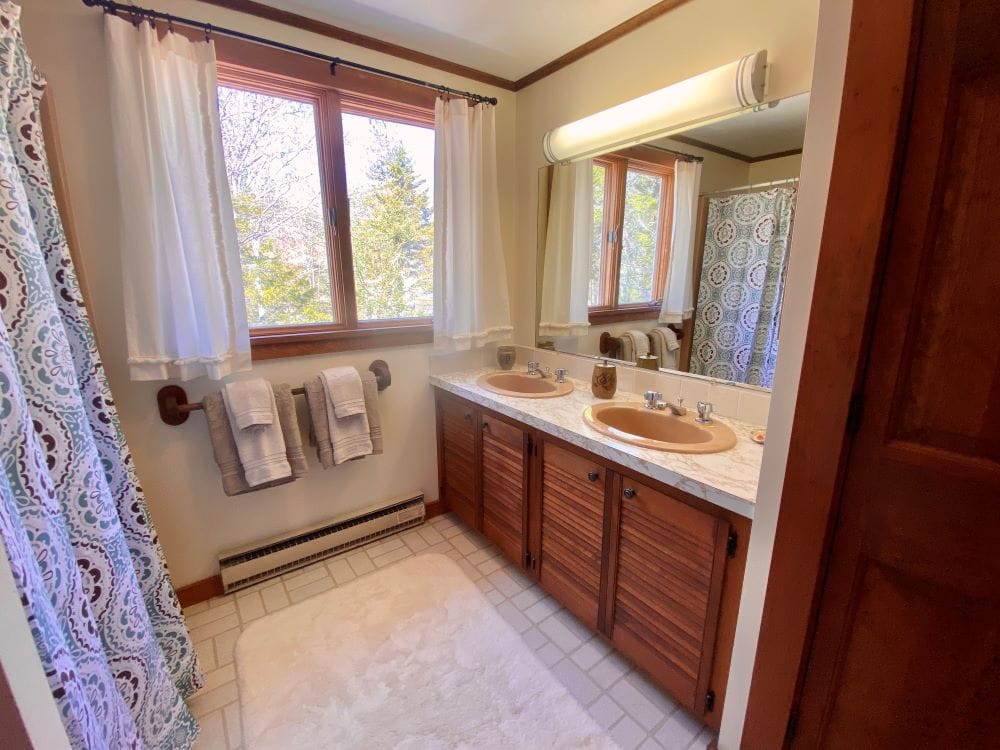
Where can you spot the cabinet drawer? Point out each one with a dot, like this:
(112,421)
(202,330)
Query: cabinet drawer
(572,530)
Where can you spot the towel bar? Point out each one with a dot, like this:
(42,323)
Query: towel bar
(174,407)
(611,345)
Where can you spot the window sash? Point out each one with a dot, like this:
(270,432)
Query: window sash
(414,108)
(616,169)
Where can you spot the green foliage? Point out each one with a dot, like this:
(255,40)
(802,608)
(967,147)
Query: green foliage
(278,291)
(642,217)
(392,236)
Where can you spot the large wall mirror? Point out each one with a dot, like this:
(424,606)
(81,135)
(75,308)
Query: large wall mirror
(672,254)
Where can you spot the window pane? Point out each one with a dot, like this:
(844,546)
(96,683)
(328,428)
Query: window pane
(639,237)
(600,176)
(272,159)
(390,182)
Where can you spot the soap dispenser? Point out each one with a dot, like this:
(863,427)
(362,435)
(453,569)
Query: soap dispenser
(604,382)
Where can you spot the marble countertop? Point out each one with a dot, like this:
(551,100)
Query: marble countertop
(727,479)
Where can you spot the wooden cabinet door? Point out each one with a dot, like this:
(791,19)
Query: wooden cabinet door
(504,486)
(572,530)
(458,465)
(668,563)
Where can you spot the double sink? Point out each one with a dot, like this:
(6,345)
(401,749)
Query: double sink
(626,421)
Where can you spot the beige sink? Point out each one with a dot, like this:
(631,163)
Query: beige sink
(661,430)
(522,385)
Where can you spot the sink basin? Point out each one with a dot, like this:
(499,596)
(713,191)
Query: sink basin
(661,430)
(522,385)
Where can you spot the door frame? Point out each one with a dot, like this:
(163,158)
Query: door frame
(863,185)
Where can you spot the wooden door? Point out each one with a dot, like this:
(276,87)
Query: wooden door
(906,652)
(504,472)
(458,464)
(570,559)
(666,586)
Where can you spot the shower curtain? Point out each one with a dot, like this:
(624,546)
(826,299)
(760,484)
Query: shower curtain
(742,279)
(84,555)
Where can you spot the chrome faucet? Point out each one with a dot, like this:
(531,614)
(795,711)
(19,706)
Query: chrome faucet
(654,400)
(705,409)
(561,373)
(535,369)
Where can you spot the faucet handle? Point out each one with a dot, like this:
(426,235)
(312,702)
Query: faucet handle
(704,412)
(561,373)
(532,367)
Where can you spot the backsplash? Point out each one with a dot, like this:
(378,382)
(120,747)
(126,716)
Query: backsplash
(745,403)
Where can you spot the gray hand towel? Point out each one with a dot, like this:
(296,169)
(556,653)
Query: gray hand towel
(370,386)
(224,448)
(316,400)
(284,401)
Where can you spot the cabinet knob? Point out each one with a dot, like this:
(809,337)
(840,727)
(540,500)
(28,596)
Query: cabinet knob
(468,416)
(593,476)
(486,425)
(629,492)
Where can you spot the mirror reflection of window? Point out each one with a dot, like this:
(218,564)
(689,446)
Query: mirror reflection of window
(633,192)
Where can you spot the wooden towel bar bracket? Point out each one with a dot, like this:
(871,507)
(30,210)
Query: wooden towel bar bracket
(174,408)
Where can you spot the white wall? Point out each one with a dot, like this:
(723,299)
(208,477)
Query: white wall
(691,39)
(193,517)
(821,135)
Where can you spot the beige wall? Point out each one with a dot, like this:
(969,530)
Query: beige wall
(782,168)
(195,520)
(695,37)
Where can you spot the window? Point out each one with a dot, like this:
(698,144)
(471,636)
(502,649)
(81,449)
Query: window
(633,198)
(333,196)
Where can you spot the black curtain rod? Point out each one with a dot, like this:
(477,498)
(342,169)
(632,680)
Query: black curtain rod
(109,6)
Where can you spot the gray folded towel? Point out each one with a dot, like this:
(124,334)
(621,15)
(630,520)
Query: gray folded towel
(370,386)
(320,432)
(284,401)
(249,403)
(224,448)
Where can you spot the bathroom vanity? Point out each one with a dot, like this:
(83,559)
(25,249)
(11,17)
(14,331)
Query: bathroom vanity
(655,570)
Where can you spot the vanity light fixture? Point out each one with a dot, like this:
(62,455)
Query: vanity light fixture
(708,97)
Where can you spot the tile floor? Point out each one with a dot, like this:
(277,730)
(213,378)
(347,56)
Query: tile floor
(635,713)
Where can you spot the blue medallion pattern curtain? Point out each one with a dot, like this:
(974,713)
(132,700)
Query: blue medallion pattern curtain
(74,522)
(742,280)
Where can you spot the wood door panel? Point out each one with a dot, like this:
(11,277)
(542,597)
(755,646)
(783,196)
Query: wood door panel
(954,317)
(936,651)
(906,647)
(572,531)
(667,584)
(503,486)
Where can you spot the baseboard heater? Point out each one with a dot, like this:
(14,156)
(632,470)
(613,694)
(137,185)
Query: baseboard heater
(245,566)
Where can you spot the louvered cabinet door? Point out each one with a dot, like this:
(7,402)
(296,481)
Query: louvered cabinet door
(666,589)
(504,467)
(458,459)
(572,530)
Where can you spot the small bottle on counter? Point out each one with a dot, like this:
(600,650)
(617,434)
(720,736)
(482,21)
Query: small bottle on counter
(604,382)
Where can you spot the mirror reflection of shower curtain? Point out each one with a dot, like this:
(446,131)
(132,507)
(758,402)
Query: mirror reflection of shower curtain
(742,282)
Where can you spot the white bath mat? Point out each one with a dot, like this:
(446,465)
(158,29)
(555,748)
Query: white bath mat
(410,657)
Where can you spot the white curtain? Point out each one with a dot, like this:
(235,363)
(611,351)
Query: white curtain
(470,278)
(678,291)
(185,314)
(568,244)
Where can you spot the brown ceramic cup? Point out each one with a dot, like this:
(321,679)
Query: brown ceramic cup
(604,382)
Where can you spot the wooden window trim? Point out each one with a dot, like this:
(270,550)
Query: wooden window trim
(617,165)
(267,70)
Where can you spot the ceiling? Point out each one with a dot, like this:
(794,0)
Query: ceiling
(510,38)
(755,134)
